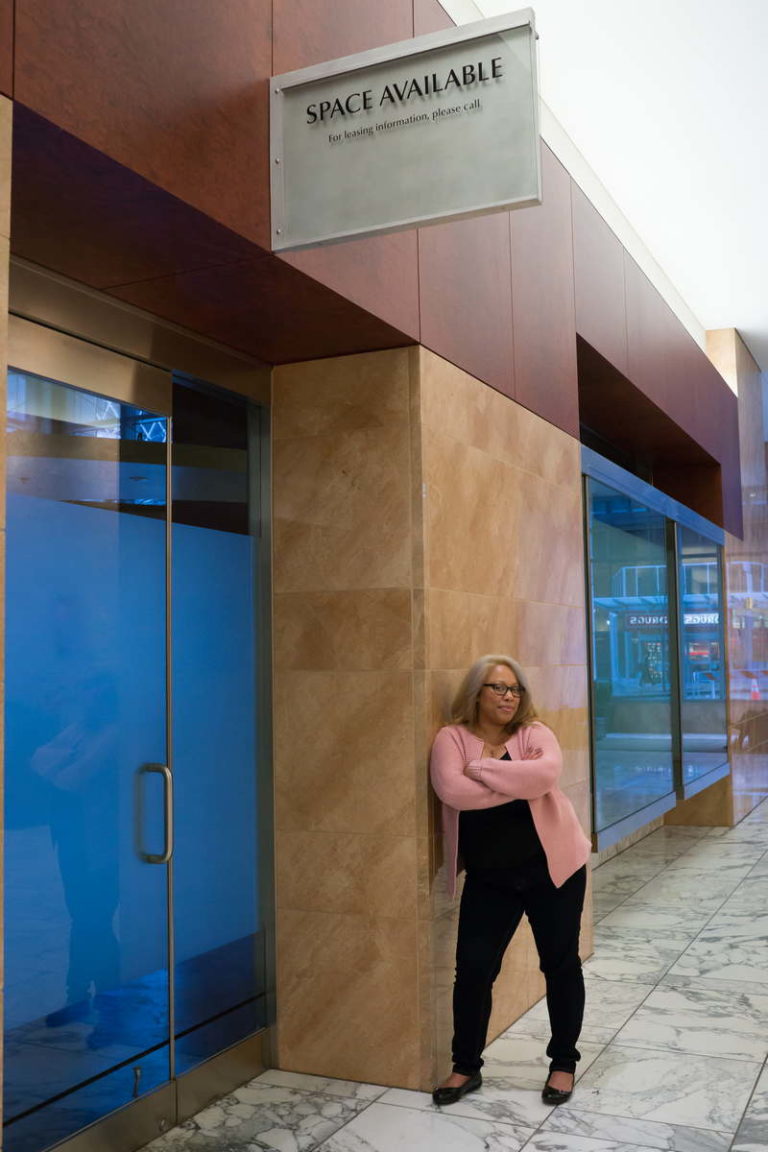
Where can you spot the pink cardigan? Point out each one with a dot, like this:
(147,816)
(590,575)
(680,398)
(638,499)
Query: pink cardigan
(492,782)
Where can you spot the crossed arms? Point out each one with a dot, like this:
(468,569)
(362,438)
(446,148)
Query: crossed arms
(486,783)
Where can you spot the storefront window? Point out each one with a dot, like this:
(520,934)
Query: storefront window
(702,697)
(659,730)
(631,646)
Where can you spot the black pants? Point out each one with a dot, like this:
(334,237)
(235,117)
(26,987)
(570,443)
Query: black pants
(492,906)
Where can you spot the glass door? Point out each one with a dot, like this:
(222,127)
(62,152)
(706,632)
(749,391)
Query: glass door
(88,792)
(218,913)
(137,830)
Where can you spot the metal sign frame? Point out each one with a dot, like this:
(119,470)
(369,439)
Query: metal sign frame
(348,65)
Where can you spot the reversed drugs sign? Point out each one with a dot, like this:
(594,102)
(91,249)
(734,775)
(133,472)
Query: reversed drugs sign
(436,128)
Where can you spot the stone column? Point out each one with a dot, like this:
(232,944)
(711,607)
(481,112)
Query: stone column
(420,519)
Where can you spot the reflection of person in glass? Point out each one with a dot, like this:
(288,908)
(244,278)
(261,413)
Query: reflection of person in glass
(496,769)
(80,764)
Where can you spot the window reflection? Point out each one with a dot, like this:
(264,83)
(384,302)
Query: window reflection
(702,705)
(630,655)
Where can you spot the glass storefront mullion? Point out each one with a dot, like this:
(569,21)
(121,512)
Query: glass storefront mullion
(702,678)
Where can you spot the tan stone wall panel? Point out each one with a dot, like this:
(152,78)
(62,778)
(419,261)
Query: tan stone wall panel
(348,873)
(421,519)
(341,395)
(367,629)
(504,572)
(342,510)
(348,990)
(344,752)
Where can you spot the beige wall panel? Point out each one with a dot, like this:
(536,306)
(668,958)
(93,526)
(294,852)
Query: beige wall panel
(353,842)
(348,873)
(344,752)
(503,572)
(342,510)
(459,407)
(341,395)
(367,628)
(348,995)
(713,807)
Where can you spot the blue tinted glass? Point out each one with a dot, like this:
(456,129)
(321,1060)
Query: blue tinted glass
(630,655)
(86,920)
(702,704)
(218,925)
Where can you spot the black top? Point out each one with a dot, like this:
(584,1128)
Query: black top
(502,837)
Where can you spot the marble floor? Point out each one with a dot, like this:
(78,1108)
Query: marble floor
(673,1050)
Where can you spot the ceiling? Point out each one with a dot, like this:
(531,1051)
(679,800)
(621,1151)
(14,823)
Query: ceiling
(663,99)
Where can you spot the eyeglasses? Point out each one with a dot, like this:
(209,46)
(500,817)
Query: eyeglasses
(502,689)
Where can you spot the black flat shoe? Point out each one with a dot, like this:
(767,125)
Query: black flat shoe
(443,1096)
(555,1096)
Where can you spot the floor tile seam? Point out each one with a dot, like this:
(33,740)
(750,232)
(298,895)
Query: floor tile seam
(433,1110)
(643,883)
(674,907)
(735,987)
(306,1091)
(604,1048)
(705,926)
(749,1101)
(608,1116)
(345,1124)
(624,1043)
(665,1052)
(628,930)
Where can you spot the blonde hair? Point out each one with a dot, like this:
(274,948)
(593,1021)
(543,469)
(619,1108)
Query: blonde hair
(465,703)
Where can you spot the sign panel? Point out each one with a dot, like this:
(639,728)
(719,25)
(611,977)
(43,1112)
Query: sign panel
(660,619)
(440,127)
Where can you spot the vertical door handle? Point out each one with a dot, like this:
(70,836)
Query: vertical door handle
(164,771)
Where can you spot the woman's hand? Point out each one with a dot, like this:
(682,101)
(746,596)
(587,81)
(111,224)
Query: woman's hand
(532,754)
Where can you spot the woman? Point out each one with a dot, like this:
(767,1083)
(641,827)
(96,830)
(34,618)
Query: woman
(496,768)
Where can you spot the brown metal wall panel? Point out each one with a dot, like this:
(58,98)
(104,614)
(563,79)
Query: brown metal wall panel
(79,213)
(718,409)
(265,308)
(6,47)
(175,91)
(697,486)
(598,258)
(649,339)
(546,377)
(380,273)
(466,296)
(311,31)
(663,359)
